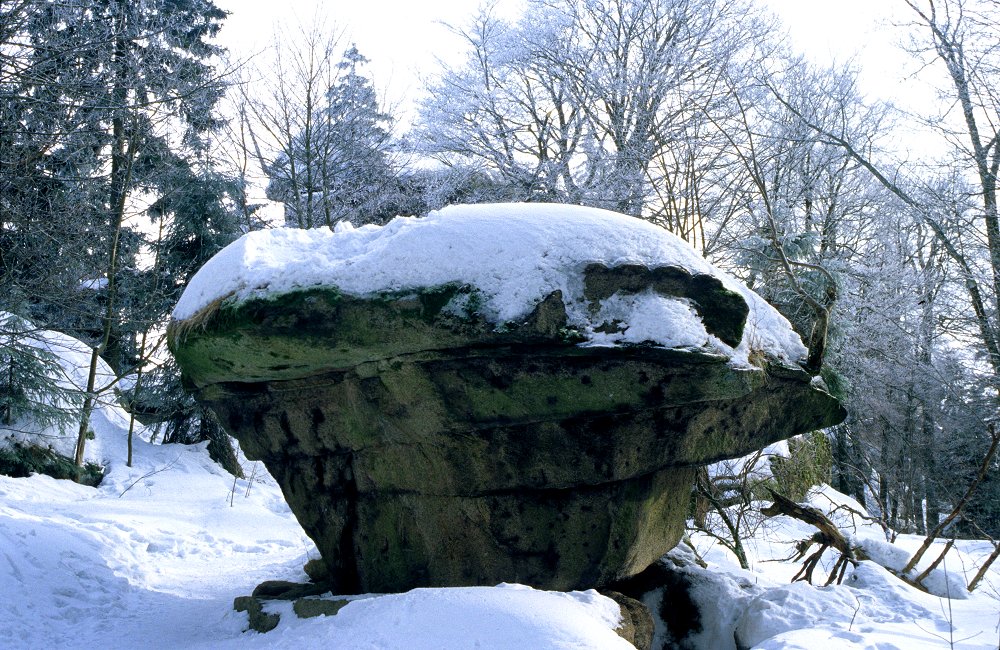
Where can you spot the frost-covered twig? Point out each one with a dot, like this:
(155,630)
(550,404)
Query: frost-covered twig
(855,614)
(730,496)
(853,512)
(253,474)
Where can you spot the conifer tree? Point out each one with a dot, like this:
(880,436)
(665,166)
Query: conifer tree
(321,136)
(106,106)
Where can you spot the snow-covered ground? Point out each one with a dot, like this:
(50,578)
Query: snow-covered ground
(154,557)
(872,608)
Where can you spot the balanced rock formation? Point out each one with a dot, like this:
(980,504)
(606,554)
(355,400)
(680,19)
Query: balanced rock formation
(489,394)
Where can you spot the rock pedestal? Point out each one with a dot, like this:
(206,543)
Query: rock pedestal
(419,446)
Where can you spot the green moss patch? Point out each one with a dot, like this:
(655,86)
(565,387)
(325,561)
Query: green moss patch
(306,332)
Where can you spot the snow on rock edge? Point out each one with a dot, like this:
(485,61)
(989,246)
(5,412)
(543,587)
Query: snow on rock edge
(514,254)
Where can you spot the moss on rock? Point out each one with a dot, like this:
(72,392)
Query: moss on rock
(419,444)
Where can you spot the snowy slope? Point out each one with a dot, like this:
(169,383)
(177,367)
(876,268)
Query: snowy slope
(156,567)
(870,609)
(73,359)
(159,566)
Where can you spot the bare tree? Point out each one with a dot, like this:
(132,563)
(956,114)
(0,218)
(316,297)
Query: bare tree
(954,199)
(596,102)
(317,133)
(958,36)
(804,204)
(506,111)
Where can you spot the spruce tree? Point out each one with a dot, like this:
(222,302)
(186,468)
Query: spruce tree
(322,138)
(106,110)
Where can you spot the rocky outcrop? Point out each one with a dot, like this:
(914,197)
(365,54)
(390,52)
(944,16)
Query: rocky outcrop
(420,445)
(307,601)
(636,625)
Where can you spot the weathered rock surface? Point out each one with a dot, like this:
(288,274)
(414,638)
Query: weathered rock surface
(637,625)
(259,620)
(305,599)
(419,446)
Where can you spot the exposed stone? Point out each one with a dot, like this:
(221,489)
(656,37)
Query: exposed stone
(318,571)
(667,588)
(420,446)
(304,602)
(260,621)
(636,626)
(313,607)
(284,590)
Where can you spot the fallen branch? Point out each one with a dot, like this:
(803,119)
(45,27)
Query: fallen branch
(986,565)
(957,510)
(829,536)
(981,573)
(933,565)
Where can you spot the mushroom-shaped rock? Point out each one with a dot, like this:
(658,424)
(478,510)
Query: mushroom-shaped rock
(492,393)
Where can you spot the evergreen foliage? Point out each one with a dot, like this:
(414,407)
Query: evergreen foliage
(23,460)
(321,137)
(107,110)
(31,383)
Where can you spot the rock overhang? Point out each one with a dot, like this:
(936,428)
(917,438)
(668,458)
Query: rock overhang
(418,402)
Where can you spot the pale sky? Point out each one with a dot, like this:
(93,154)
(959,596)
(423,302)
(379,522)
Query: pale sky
(403,38)
(865,31)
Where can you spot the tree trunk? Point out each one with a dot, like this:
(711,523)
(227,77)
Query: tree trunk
(122,152)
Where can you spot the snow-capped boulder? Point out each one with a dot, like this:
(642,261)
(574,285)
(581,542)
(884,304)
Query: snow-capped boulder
(492,393)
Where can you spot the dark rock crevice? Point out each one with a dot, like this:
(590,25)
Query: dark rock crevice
(723,312)
(345,576)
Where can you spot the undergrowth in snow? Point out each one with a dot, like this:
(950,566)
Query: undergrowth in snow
(872,608)
(69,369)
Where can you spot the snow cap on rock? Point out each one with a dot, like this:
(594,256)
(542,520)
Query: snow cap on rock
(513,254)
